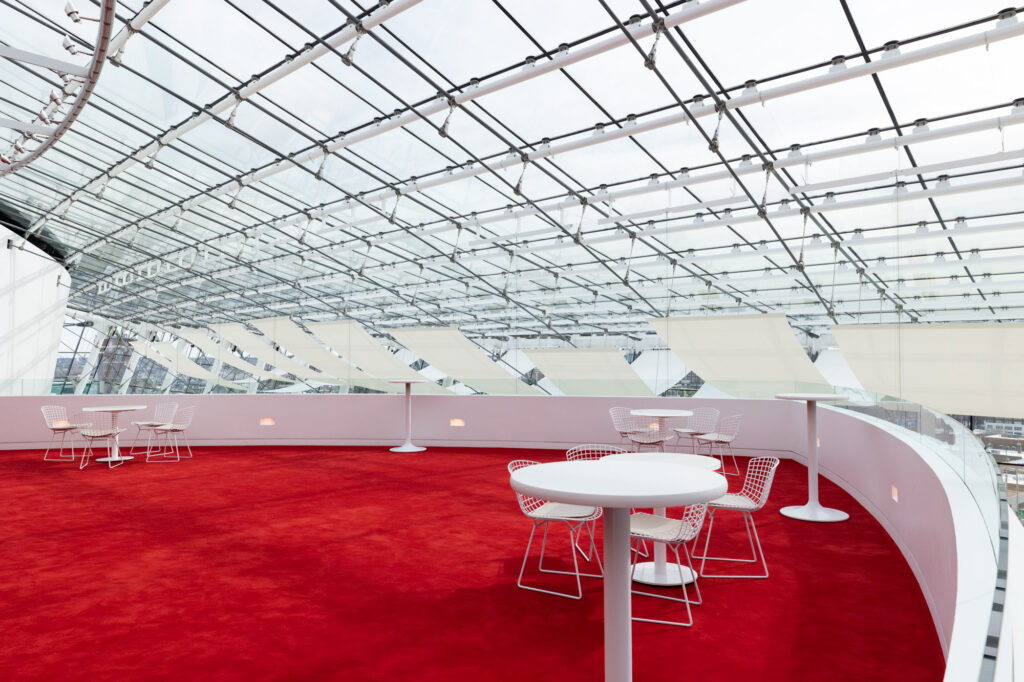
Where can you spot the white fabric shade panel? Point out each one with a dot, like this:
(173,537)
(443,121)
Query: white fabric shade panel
(449,351)
(837,371)
(200,339)
(305,347)
(237,334)
(753,356)
(660,369)
(972,369)
(589,371)
(349,340)
(170,357)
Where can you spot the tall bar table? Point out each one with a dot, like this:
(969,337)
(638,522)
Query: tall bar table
(408,446)
(617,486)
(813,511)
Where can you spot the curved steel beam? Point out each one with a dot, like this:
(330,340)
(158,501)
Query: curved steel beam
(99,56)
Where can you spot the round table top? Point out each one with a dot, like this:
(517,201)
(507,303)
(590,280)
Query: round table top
(812,397)
(656,412)
(113,408)
(408,381)
(676,458)
(618,484)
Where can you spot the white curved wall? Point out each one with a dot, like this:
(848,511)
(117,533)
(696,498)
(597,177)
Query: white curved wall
(32,306)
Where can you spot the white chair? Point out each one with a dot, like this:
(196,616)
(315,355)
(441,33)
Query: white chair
(675,533)
(623,421)
(703,421)
(721,438)
(170,432)
(756,487)
(57,421)
(639,431)
(542,513)
(102,430)
(164,414)
(591,451)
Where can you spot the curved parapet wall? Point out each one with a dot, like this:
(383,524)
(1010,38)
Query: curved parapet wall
(894,473)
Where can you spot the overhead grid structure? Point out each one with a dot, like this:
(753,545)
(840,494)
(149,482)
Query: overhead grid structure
(425,164)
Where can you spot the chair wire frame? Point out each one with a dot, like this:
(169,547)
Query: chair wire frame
(170,432)
(752,497)
(639,431)
(722,437)
(103,429)
(687,529)
(591,452)
(703,421)
(56,417)
(623,421)
(163,414)
(542,513)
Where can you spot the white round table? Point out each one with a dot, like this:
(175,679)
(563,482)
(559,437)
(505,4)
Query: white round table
(813,511)
(617,486)
(660,414)
(408,446)
(657,572)
(115,411)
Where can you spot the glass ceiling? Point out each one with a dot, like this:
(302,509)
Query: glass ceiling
(527,169)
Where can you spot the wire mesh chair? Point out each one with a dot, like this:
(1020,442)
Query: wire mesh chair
(756,487)
(591,451)
(721,438)
(170,432)
(164,414)
(703,421)
(57,421)
(574,516)
(652,432)
(103,429)
(675,533)
(623,421)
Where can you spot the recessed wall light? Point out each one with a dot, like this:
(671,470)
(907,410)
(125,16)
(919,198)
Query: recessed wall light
(456,421)
(895,494)
(268,421)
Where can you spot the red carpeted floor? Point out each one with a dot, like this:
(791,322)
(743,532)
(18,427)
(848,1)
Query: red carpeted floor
(361,564)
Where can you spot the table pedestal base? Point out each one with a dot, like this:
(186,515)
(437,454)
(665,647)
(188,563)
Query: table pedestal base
(647,574)
(408,447)
(814,512)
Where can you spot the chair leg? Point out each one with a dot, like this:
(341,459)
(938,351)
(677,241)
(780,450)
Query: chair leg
(60,453)
(755,548)
(188,447)
(526,557)
(721,456)
(686,597)
(574,531)
(86,453)
(110,452)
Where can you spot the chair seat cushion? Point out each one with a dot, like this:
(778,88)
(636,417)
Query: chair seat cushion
(169,427)
(714,438)
(688,432)
(147,423)
(733,501)
(660,528)
(647,437)
(560,510)
(101,433)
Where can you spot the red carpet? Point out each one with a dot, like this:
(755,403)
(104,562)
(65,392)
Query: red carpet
(360,564)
